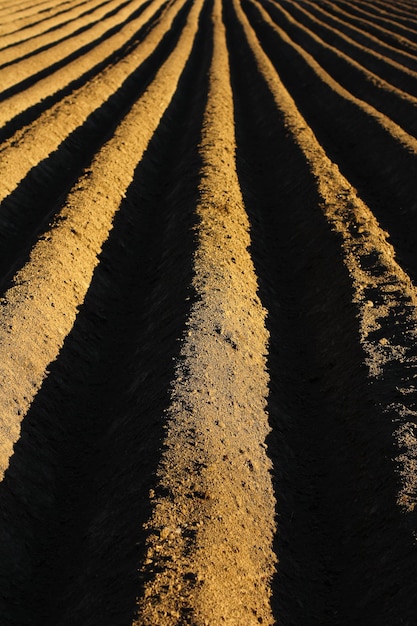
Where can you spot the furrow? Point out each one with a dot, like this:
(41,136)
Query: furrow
(373,151)
(343,322)
(39,310)
(14,49)
(76,493)
(360,82)
(383,59)
(210,534)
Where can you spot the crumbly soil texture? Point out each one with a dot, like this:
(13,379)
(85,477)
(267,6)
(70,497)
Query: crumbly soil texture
(208,312)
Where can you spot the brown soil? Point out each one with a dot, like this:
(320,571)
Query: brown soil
(208,316)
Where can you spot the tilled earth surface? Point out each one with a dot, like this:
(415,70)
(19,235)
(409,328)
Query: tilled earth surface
(208,312)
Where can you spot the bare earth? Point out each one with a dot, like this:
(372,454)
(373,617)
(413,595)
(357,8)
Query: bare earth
(208,316)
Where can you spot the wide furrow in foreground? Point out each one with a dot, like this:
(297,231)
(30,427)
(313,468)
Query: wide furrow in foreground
(313,327)
(126,337)
(208,313)
(40,309)
(210,556)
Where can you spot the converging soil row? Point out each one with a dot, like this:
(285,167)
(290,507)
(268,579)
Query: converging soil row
(208,312)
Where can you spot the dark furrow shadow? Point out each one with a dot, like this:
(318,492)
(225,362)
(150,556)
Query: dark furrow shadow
(368,156)
(345,554)
(27,212)
(76,495)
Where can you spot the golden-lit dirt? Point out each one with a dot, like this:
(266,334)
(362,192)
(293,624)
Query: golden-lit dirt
(208,312)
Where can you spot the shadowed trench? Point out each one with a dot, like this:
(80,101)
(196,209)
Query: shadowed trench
(344,553)
(76,494)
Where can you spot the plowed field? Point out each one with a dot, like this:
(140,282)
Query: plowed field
(208,312)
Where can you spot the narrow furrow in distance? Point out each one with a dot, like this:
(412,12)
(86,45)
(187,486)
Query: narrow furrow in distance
(18,7)
(30,69)
(393,10)
(372,151)
(34,16)
(27,35)
(26,40)
(360,82)
(49,163)
(33,143)
(209,558)
(355,13)
(17,11)
(353,36)
(355,17)
(384,9)
(400,8)
(8,11)
(335,296)
(76,493)
(406,7)
(358,44)
(18,109)
(39,310)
